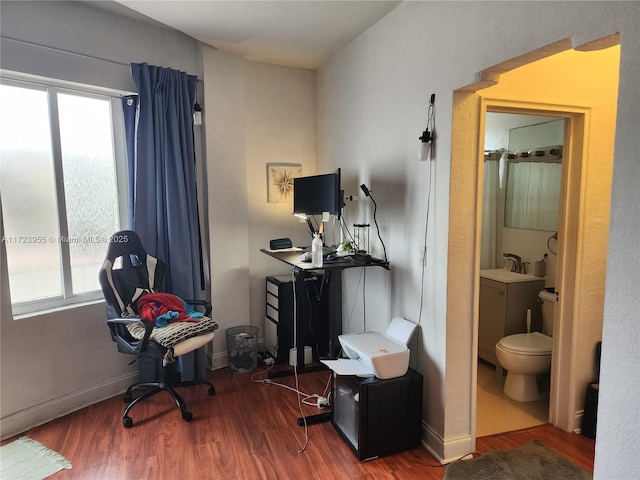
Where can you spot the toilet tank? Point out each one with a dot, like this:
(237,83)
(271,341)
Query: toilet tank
(548,302)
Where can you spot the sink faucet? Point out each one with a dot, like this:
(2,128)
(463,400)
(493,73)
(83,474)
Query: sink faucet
(516,265)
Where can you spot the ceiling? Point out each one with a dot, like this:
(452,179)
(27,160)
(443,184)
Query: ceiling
(301,33)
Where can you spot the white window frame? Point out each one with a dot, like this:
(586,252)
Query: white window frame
(53,87)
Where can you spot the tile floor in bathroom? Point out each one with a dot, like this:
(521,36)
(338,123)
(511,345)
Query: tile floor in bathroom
(497,413)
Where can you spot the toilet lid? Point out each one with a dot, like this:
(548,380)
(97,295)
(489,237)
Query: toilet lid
(529,343)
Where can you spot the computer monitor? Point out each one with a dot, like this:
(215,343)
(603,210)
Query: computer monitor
(317,194)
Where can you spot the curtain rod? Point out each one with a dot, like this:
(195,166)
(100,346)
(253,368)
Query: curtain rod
(70,52)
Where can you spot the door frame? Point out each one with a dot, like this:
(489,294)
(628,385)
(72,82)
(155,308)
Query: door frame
(568,249)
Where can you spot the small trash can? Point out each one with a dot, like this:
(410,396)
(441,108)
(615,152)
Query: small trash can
(242,347)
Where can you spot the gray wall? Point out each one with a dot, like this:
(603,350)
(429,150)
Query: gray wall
(262,114)
(56,362)
(254,113)
(372,104)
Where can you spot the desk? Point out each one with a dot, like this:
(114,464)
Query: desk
(332,272)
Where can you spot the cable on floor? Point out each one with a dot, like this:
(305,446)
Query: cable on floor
(305,396)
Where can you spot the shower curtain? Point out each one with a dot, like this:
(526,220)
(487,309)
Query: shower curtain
(533,195)
(492,213)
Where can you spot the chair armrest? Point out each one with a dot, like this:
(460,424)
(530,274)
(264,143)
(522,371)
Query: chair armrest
(126,320)
(202,303)
(131,344)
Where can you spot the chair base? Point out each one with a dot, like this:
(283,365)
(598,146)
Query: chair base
(162,386)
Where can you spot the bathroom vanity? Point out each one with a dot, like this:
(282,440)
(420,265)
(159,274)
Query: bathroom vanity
(504,299)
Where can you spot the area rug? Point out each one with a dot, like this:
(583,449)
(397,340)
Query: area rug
(28,459)
(533,461)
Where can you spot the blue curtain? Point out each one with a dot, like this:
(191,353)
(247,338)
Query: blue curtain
(165,211)
(163,182)
(129,108)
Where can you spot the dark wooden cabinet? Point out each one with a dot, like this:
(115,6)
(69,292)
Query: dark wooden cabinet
(312,304)
(278,322)
(378,417)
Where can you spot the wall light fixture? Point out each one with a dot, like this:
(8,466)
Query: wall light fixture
(427,139)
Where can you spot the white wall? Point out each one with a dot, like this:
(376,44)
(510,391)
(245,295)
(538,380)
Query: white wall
(619,400)
(372,101)
(281,128)
(227,203)
(259,114)
(60,361)
(253,114)
(372,105)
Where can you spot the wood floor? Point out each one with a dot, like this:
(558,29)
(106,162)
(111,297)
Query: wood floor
(248,430)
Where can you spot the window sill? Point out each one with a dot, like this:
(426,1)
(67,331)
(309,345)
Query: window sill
(61,308)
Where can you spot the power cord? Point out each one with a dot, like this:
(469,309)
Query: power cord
(304,419)
(424,264)
(364,300)
(345,228)
(552,237)
(321,401)
(355,296)
(295,367)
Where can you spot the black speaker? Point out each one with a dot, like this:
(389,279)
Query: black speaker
(280,243)
(590,416)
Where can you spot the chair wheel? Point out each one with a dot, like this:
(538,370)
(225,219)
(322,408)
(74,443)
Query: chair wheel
(127,397)
(212,391)
(127,422)
(187,416)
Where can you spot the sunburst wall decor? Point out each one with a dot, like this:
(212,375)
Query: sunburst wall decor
(280,181)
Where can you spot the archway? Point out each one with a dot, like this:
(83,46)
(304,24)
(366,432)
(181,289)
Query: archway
(590,123)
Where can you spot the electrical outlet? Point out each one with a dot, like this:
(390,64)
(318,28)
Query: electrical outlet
(265,358)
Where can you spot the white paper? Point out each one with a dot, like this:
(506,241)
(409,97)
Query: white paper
(400,330)
(291,249)
(346,366)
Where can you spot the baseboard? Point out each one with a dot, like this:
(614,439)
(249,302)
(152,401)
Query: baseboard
(577,421)
(220,360)
(22,421)
(31,417)
(446,450)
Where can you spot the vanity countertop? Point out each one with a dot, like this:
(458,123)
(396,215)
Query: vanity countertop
(505,276)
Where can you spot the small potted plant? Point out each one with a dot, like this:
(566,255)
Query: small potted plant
(345,248)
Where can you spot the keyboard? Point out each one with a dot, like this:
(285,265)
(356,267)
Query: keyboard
(325,250)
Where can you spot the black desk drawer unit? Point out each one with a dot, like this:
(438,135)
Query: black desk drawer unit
(279,317)
(378,417)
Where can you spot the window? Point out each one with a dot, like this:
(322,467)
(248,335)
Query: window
(61,169)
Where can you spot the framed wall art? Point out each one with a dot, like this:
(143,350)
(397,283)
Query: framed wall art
(280,181)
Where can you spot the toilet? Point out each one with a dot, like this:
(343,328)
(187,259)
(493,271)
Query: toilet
(526,355)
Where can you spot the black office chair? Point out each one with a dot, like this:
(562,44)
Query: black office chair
(128,273)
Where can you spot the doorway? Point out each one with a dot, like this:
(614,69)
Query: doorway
(582,238)
(521,203)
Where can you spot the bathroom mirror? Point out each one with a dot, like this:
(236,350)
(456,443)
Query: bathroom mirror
(533,173)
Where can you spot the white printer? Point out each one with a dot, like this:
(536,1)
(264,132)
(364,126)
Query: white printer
(384,355)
